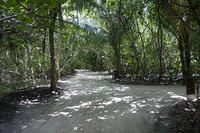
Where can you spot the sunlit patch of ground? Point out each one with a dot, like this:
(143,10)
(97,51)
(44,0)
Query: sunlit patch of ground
(90,103)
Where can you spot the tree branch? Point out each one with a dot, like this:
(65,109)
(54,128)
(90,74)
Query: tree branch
(9,17)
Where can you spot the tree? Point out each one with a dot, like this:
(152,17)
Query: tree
(53,14)
(181,12)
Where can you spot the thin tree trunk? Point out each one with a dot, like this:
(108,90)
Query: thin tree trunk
(58,50)
(1,33)
(143,52)
(53,14)
(199,59)
(43,54)
(117,55)
(135,51)
(160,45)
(161,53)
(119,43)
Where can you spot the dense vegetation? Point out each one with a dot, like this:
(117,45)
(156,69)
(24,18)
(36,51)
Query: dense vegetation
(42,40)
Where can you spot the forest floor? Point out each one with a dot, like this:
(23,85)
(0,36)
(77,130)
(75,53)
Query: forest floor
(183,117)
(9,102)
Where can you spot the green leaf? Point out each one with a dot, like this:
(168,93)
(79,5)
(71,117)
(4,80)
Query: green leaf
(11,3)
(53,4)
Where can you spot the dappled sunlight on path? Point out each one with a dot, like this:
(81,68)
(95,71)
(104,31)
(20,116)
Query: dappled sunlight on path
(90,103)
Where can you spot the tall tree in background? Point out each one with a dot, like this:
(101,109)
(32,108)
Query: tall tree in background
(59,43)
(113,15)
(185,13)
(53,15)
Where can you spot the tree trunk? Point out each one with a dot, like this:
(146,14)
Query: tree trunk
(119,42)
(58,50)
(189,78)
(160,46)
(143,52)
(117,55)
(129,34)
(199,59)
(190,90)
(161,54)
(116,43)
(180,46)
(43,55)
(53,14)
(1,33)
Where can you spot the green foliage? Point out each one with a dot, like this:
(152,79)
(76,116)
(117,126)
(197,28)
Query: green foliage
(88,31)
